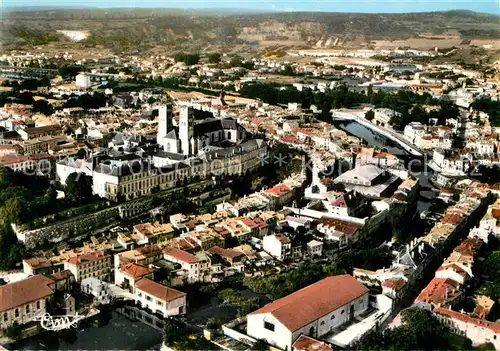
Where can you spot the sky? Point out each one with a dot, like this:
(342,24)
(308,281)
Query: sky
(365,6)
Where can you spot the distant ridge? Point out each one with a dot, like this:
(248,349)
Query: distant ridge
(195,29)
(174,11)
(226,11)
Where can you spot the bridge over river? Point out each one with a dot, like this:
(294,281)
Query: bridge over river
(391,135)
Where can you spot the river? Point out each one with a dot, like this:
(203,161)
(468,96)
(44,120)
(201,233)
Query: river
(417,166)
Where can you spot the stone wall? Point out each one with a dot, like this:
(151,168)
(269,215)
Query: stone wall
(78,226)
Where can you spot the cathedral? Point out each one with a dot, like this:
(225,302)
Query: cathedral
(191,139)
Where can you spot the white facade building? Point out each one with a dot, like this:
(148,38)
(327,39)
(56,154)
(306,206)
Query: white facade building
(314,248)
(480,331)
(160,298)
(314,311)
(23,301)
(82,80)
(277,245)
(96,288)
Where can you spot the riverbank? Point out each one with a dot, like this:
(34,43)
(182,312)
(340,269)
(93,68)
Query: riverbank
(419,170)
(391,135)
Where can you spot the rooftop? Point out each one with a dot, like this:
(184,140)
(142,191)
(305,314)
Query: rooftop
(315,301)
(180,255)
(25,291)
(91,257)
(306,343)
(135,270)
(159,291)
(495,327)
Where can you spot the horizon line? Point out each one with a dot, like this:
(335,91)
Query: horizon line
(214,9)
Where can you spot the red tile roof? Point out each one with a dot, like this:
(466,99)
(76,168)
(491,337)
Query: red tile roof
(221,231)
(14,159)
(143,229)
(452,218)
(260,223)
(225,253)
(282,238)
(495,212)
(469,247)
(61,275)
(306,131)
(161,292)
(439,291)
(395,284)
(278,190)
(345,227)
(25,291)
(38,262)
(249,222)
(291,139)
(11,147)
(181,255)
(455,268)
(306,343)
(185,244)
(91,257)
(314,301)
(135,270)
(495,327)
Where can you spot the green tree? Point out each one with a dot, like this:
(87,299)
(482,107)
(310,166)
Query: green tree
(172,332)
(488,346)
(42,106)
(12,211)
(25,98)
(214,57)
(492,266)
(70,71)
(11,250)
(369,115)
(288,71)
(369,92)
(260,345)
(213,324)
(14,331)
(7,178)
(51,196)
(78,188)
(81,154)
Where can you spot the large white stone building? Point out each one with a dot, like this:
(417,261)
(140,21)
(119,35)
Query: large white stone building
(96,264)
(369,180)
(277,245)
(23,301)
(314,311)
(159,298)
(82,80)
(214,146)
(480,331)
(192,139)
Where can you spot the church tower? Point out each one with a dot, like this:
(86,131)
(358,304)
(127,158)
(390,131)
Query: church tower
(186,119)
(164,123)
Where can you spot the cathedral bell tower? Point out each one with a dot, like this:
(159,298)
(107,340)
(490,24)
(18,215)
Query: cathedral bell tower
(164,123)
(186,121)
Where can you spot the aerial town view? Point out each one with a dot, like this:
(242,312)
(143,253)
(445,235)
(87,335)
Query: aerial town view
(282,176)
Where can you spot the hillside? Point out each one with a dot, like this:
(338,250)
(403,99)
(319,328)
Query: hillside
(144,29)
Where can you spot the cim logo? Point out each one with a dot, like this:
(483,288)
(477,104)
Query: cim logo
(55,323)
